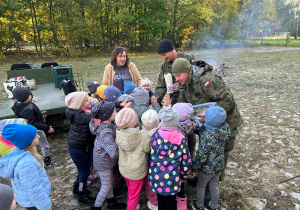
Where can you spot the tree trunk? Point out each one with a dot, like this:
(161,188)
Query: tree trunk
(36,23)
(33,27)
(296,29)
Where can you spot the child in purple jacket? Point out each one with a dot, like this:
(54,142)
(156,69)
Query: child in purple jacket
(106,153)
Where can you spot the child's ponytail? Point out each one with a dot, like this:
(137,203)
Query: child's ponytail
(34,152)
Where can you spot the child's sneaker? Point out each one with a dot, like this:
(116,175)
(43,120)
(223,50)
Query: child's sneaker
(49,163)
(138,207)
(194,206)
(209,208)
(151,206)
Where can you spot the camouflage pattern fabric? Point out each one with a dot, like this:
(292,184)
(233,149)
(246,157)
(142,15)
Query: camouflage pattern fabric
(204,86)
(161,87)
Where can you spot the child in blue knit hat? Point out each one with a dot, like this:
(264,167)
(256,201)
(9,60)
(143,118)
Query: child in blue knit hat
(25,167)
(128,88)
(210,159)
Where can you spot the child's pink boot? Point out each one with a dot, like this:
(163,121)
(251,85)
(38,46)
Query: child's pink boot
(181,203)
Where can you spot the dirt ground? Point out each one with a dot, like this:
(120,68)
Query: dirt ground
(265,84)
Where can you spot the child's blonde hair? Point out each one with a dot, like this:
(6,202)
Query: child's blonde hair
(34,152)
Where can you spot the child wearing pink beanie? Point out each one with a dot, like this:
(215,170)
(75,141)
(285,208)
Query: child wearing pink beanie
(185,126)
(134,150)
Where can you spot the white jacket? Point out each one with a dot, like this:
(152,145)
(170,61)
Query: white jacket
(134,149)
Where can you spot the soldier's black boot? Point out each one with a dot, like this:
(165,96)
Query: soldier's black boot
(112,204)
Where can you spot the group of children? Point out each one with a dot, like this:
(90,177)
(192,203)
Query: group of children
(122,137)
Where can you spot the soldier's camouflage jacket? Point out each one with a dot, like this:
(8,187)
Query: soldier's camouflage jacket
(204,86)
(161,87)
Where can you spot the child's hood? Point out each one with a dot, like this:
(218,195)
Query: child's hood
(172,135)
(18,107)
(168,143)
(9,162)
(128,139)
(222,133)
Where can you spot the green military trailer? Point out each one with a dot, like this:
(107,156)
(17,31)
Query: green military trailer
(49,98)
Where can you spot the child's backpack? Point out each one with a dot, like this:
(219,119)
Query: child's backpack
(68,85)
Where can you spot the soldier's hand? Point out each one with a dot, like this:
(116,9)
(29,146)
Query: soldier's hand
(175,87)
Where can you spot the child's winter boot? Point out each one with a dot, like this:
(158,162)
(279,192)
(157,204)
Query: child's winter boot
(112,204)
(181,203)
(49,163)
(85,198)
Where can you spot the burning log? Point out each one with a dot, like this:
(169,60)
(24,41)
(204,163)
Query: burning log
(221,70)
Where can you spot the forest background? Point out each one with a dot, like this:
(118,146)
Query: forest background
(72,28)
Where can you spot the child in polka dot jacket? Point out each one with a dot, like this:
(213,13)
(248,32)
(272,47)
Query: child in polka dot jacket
(170,160)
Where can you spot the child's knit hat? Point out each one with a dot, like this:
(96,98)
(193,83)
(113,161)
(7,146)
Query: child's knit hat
(123,98)
(169,117)
(184,110)
(141,96)
(126,118)
(92,86)
(19,135)
(128,86)
(103,110)
(6,196)
(112,93)
(150,121)
(214,117)
(4,122)
(21,93)
(100,91)
(74,100)
(146,81)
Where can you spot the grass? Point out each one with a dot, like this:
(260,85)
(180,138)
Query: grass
(254,74)
(277,41)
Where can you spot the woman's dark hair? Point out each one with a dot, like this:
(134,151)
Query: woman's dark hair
(115,53)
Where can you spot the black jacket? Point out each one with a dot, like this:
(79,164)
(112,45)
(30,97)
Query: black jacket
(30,112)
(80,135)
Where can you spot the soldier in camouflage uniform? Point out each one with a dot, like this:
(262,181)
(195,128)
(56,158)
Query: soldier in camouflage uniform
(202,86)
(169,54)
